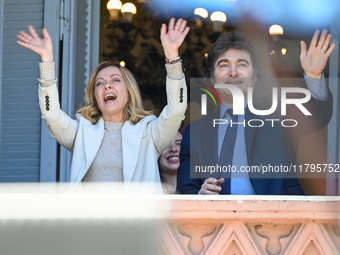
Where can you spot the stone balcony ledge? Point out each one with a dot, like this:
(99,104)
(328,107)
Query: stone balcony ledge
(292,208)
(252,225)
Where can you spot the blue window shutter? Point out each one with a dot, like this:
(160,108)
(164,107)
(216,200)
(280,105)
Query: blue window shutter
(20,124)
(27,151)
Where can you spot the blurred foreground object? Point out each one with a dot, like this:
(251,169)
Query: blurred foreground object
(91,219)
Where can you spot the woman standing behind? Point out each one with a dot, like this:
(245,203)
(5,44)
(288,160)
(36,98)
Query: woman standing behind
(168,163)
(113,138)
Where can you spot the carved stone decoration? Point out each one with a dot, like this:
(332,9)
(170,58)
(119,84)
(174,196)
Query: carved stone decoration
(313,238)
(334,234)
(296,226)
(311,249)
(336,230)
(273,233)
(233,249)
(234,238)
(196,233)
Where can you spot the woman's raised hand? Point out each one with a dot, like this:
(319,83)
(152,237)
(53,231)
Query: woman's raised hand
(174,37)
(42,46)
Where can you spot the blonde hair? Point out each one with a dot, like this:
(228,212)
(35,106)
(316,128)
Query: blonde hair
(133,110)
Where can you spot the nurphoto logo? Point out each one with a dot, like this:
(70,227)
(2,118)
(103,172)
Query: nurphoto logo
(238,104)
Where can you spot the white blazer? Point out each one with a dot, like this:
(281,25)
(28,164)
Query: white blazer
(142,143)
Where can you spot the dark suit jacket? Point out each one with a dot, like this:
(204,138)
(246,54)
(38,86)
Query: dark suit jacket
(264,145)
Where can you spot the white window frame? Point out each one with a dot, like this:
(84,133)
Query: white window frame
(48,146)
(69,24)
(333,142)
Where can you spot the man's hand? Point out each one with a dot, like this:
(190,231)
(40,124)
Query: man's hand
(314,60)
(174,37)
(211,186)
(42,46)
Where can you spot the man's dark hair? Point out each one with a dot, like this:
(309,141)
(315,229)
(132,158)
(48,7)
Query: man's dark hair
(233,40)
